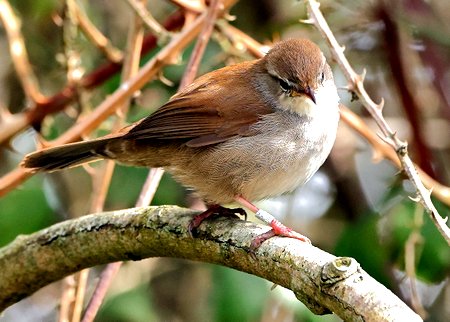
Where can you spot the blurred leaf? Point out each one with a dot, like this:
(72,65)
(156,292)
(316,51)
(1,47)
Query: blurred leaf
(237,296)
(127,183)
(24,211)
(379,241)
(132,306)
(360,240)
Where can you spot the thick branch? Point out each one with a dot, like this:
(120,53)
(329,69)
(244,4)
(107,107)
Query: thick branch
(320,280)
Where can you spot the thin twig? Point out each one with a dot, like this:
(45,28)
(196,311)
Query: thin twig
(37,111)
(116,99)
(411,246)
(190,5)
(141,10)
(96,37)
(75,70)
(70,299)
(19,54)
(106,277)
(239,38)
(200,45)
(401,80)
(80,292)
(356,84)
(67,297)
(130,68)
(384,150)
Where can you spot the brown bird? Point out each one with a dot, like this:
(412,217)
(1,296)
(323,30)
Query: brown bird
(244,132)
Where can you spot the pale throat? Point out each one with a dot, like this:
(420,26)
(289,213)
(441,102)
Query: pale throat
(326,98)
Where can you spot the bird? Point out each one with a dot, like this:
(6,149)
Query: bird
(242,133)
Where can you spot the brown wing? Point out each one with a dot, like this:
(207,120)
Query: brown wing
(193,116)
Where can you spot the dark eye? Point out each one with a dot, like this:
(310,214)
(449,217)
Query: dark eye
(322,77)
(285,87)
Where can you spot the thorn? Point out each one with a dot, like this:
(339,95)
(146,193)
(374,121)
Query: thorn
(430,191)
(165,80)
(361,77)
(175,59)
(5,115)
(137,94)
(119,113)
(380,105)
(89,169)
(315,3)
(393,135)
(308,21)
(415,199)
(228,17)
(342,48)
(377,156)
(387,140)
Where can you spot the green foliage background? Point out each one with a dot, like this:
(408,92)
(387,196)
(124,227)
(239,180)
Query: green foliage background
(173,290)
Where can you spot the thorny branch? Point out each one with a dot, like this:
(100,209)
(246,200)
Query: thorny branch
(95,36)
(256,49)
(389,136)
(110,104)
(140,9)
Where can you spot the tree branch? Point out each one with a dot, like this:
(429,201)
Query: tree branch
(324,283)
(356,85)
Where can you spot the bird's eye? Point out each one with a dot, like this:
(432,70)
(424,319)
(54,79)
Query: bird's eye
(321,77)
(285,87)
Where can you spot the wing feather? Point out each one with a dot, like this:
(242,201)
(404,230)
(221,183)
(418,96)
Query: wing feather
(194,117)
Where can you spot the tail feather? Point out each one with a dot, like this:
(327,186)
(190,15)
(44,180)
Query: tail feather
(69,155)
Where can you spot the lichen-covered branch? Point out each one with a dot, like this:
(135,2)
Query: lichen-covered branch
(320,280)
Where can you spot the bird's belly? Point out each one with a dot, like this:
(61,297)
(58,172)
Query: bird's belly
(259,166)
(283,173)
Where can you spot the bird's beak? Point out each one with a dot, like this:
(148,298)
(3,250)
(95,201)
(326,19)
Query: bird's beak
(307,91)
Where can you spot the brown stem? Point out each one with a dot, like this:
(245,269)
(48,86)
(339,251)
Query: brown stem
(18,53)
(399,76)
(356,84)
(56,103)
(200,45)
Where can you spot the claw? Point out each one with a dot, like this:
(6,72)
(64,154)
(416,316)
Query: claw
(278,229)
(212,211)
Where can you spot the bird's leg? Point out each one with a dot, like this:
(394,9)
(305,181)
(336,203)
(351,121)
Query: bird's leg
(278,229)
(215,210)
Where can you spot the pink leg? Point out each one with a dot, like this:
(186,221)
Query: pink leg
(278,229)
(214,210)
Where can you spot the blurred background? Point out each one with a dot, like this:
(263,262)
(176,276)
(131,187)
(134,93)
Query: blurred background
(356,205)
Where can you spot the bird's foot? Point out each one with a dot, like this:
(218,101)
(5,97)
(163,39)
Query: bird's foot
(215,210)
(278,229)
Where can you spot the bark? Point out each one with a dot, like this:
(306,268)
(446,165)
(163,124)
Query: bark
(323,282)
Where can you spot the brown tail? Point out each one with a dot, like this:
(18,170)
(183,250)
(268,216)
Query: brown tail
(68,155)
